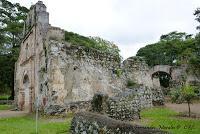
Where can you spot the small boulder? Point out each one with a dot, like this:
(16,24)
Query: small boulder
(54,110)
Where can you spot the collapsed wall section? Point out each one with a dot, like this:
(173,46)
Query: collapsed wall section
(136,70)
(128,104)
(76,73)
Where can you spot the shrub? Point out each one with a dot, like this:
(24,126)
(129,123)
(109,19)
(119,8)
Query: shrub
(92,42)
(131,84)
(185,94)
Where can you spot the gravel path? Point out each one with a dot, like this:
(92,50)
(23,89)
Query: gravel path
(9,113)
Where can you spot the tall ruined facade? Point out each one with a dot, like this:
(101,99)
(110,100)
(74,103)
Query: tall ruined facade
(28,63)
(50,71)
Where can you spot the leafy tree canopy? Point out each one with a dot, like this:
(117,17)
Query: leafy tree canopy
(197,14)
(174,48)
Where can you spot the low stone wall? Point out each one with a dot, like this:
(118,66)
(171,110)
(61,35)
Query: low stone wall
(91,123)
(125,106)
(144,95)
(54,110)
(8,102)
(78,106)
(157,97)
(128,104)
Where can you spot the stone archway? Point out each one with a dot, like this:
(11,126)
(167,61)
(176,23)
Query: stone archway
(161,75)
(163,78)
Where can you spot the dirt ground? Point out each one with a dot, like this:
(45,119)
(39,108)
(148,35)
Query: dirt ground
(9,113)
(195,108)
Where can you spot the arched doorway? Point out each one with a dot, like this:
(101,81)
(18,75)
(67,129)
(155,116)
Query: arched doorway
(25,94)
(162,79)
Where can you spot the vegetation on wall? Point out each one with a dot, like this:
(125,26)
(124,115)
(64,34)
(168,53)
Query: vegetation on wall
(92,42)
(131,84)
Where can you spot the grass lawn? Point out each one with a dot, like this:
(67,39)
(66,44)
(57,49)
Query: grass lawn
(26,125)
(163,118)
(167,119)
(4,97)
(5,107)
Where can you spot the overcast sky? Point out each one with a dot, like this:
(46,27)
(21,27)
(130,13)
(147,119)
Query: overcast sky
(131,24)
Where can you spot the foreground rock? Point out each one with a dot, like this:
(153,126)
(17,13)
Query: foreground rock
(54,110)
(91,123)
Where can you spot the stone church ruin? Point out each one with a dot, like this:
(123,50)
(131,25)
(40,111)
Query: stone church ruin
(56,74)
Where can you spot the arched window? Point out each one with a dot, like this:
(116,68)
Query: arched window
(26,50)
(25,80)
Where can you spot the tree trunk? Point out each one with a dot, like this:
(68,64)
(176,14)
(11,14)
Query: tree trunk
(189,109)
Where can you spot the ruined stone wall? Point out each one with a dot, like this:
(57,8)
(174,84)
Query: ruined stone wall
(75,73)
(29,63)
(27,67)
(178,75)
(60,73)
(128,104)
(137,70)
(55,33)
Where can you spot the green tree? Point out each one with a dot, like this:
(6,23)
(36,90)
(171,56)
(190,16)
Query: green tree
(184,94)
(11,25)
(195,59)
(197,14)
(167,51)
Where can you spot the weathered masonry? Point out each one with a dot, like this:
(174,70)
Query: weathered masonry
(53,72)
(28,64)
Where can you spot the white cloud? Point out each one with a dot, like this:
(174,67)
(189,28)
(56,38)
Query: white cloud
(130,23)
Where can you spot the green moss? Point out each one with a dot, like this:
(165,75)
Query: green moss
(119,72)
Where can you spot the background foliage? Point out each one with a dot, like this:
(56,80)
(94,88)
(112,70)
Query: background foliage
(175,48)
(11,26)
